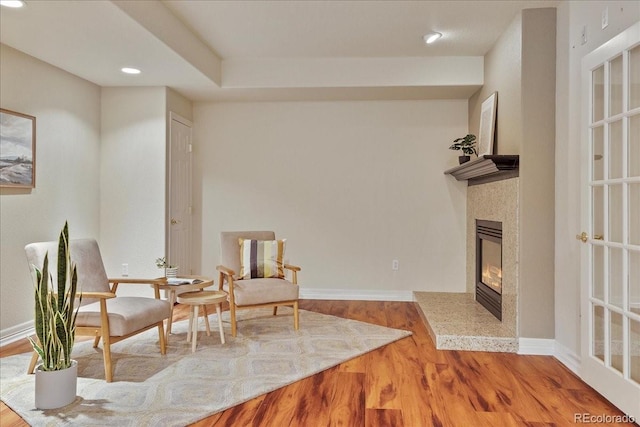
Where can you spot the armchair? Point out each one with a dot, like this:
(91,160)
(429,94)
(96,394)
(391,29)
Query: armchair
(251,293)
(102,314)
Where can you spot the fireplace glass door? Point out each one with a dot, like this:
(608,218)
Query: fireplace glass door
(492,265)
(489,266)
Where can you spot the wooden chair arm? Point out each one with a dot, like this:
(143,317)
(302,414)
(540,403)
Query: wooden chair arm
(225,270)
(102,295)
(294,272)
(226,274)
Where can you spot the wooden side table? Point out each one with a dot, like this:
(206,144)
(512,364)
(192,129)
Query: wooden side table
(195,300)
(203,282)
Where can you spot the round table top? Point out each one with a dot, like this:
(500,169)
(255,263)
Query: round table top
(202,297)
(205,283)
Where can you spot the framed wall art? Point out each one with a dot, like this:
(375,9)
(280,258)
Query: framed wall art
(17,149)
(487,124)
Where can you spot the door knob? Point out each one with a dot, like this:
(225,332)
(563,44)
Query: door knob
(584,237)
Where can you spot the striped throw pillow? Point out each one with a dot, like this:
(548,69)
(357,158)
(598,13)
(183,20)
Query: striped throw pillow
(261,258)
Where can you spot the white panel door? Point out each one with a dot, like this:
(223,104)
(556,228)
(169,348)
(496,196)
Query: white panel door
(180,195)
(610,291)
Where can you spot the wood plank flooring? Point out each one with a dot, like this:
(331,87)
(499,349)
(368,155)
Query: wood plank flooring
(408,383)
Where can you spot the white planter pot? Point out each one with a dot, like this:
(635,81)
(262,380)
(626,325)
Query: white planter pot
(55,389)
(171,272)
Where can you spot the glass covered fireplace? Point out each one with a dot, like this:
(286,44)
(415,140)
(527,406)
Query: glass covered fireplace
(489,265)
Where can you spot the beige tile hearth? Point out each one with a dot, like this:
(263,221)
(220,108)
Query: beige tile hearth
(457,322)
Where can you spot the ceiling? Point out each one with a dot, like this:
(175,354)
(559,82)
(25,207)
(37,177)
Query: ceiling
(268,50)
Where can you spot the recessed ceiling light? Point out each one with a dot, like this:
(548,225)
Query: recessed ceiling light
(12,3)
(431,37)
(129,70)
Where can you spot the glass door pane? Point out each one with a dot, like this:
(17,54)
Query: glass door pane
(598,94)
(615,213)
(616,147)
(615,86)
(615,277)
(634,78)
(597,166)
(634,145)
(598,332)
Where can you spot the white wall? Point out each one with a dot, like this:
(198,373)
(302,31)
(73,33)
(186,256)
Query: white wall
(132,180)
(572,16)
(351,185)
(67,111)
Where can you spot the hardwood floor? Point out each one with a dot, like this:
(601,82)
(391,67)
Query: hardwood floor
(409,383)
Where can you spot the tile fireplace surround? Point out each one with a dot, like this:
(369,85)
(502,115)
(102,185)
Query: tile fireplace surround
(455,320)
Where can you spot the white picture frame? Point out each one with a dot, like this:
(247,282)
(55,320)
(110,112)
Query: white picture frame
(487,125)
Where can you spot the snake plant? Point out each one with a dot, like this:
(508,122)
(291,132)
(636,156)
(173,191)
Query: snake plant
(55,318)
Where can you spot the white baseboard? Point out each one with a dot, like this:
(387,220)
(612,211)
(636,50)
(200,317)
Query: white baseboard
(16,333)
(536,346)
(568,358)
(549,347)
(355,294)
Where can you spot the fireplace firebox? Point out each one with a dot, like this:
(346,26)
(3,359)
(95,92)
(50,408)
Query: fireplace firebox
(489,266)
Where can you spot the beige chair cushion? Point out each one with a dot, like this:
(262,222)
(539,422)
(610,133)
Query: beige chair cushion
(230,246)
(263,291)
(126,314)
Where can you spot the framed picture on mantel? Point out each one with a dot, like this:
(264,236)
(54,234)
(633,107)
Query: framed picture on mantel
(487,124)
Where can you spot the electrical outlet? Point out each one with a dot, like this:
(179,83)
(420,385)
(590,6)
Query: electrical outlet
(605,18)
(395,265)
(584,34)
(125,269)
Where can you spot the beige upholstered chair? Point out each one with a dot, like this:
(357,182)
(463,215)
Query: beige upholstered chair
(253,293)
(102,314)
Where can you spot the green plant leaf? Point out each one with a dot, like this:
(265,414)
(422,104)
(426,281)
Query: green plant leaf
(55,316)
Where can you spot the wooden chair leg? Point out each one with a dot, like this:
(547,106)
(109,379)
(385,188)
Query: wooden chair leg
(32,363)
(275,310)
(106,354)
(232,314)
(106,341)
(163,342)
(296,316)
(96,341)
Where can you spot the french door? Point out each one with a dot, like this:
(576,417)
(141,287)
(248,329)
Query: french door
(610,290)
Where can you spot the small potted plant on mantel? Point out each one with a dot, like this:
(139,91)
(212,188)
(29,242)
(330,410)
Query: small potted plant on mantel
(55,325)
(466,145)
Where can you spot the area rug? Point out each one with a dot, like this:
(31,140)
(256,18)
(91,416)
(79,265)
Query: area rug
(183,387)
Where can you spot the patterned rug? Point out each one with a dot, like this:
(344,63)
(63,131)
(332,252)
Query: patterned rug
(183,387)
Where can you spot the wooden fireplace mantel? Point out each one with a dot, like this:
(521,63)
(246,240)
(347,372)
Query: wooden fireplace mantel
(487,168)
